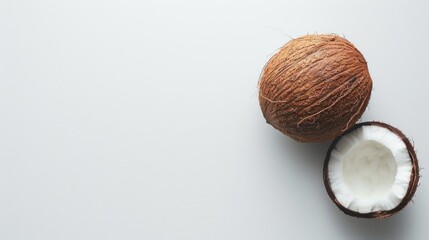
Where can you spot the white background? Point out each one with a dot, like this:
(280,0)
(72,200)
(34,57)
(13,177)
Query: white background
(140,120)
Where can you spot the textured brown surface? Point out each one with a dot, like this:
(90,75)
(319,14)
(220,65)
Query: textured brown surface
(315,88)
(412,187)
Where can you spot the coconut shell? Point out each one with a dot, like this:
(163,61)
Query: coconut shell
(315,87)
(413,183)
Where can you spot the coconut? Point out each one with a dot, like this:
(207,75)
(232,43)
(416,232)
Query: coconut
(371,171)
(315,87)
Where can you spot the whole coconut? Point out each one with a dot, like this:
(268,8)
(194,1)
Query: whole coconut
(315,88)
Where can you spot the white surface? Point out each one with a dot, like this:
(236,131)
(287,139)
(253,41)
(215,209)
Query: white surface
(140,120)
(370,169)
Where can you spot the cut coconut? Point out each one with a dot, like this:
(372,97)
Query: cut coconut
(371,171)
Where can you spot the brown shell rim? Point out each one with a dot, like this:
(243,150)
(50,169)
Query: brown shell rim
(412,187)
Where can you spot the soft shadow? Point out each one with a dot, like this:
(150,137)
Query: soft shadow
(309,156)
(395,227)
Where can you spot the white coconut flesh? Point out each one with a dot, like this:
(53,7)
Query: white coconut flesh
(369,169)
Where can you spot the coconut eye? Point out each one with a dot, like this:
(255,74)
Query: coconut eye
(371,171)
(315,88)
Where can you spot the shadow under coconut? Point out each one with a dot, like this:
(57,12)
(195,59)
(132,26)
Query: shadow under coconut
(394,228)
(309,156)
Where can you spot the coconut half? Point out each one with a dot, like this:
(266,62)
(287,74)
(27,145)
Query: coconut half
(371,171)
